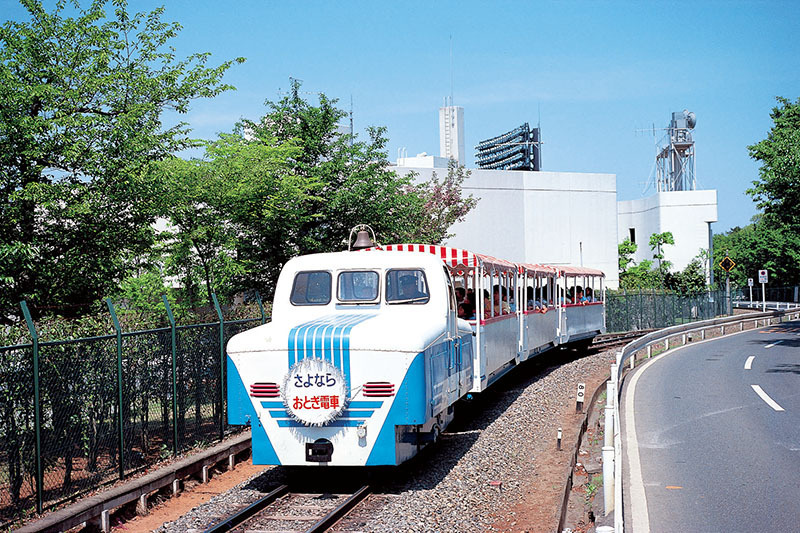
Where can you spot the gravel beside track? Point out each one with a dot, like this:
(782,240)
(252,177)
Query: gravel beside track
(452,486)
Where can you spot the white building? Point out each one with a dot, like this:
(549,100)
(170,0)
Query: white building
(564,218)
(686,214)
(451,133)
(554,218)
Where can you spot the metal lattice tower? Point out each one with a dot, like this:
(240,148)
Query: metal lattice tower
(675,155)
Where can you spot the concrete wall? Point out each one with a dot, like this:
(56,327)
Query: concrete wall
(558,218)
(684,213)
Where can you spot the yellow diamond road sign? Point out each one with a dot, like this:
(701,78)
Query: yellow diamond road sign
(727,264)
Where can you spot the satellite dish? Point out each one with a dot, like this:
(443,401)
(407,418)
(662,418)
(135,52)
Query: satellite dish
(691,119)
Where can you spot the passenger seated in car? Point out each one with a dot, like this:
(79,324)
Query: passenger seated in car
(466,311)
(500,306)
(409,290)
(589,297)
(461,294)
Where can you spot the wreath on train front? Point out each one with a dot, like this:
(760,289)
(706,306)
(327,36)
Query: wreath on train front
(314,392)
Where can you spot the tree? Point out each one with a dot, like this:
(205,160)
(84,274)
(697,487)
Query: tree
(757,246)
(777,191)
(625,251)
(81,105)
(443,204)
(332,184)
(657,241)
(229,209)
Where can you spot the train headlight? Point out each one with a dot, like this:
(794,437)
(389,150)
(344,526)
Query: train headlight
(361,431)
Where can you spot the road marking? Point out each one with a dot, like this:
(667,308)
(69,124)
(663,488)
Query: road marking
(764,396)
(673,487)
(748,365)
(773,344)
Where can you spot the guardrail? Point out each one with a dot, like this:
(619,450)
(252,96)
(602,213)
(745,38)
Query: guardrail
(612,445)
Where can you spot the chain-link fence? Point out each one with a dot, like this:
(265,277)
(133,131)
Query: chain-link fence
(650,309)
(773,294)
(77,414)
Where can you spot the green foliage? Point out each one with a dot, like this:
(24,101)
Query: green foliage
(777,191)
(657,242)
(757,246)
(80,126)
(691,280)
(291,184)
(625,251)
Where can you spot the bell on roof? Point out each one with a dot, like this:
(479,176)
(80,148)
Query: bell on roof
(363,239)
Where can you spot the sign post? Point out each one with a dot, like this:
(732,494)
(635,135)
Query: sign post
(727,265)
(762,279)
(750,284)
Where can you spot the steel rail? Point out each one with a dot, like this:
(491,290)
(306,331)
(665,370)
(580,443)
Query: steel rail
(337,514)
(243,515)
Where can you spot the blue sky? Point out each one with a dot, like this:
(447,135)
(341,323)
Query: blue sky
(597,73)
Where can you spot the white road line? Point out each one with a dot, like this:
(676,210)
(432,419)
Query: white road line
(748,365)
(773,344)
(764,396)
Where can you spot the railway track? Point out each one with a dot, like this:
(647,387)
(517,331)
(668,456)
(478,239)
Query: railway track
(610,340)
(285,511)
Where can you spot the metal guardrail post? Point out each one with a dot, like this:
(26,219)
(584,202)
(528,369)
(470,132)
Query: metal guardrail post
(174,378)
(222,417)
(37,408)
(261,308)
(121,444)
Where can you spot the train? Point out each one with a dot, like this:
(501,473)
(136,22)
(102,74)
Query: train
(366,355)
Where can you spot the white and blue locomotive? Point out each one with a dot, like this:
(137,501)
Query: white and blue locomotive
(366,356)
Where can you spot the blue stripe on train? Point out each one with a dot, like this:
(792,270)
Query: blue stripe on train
(241,411)
(326,338)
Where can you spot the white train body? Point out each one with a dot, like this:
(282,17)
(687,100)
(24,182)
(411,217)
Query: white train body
(365,356)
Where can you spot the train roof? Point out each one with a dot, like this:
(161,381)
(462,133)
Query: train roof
(452,257)
(458,257)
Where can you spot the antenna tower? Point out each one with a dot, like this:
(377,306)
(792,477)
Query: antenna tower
(675,168)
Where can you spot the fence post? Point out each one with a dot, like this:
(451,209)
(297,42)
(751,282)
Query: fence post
(174,378)
(36,407)
(121,444)
(221,367)
(261,307)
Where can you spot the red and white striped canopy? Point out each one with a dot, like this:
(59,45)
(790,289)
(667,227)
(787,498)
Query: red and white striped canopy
(452,257)
(537,269)
(580,271)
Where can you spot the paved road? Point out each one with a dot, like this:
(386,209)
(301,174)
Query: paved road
(717,427)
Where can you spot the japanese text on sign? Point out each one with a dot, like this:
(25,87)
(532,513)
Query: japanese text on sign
(316,402)
(314,380)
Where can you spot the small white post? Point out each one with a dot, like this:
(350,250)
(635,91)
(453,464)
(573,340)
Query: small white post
(633,360)
(702,334)
(608,478)
(205,474)
(141,505)
(231,462)
(176,487)
(558,440)
(608,429)
(649,351)
(683,339)
(105,521)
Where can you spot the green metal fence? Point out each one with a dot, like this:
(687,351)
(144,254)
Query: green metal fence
(649,309)
(77,414)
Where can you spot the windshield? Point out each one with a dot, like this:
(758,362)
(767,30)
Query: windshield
(358,286)
(406,287)
(311,288)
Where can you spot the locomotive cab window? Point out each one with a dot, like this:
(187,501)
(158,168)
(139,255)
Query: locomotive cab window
(359,286)
(311,288)
(406,287)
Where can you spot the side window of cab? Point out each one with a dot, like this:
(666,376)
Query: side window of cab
(311,288)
